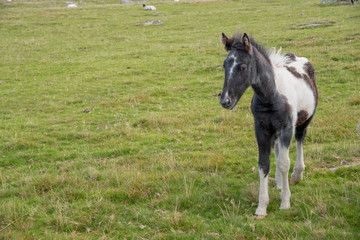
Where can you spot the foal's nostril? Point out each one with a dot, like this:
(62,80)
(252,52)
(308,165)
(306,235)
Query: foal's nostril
(225,102)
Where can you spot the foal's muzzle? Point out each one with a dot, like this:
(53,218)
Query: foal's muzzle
(225,102)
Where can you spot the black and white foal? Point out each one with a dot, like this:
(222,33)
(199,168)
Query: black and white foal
(284,102)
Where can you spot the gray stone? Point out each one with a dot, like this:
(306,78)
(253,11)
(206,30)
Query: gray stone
(339,1)
(344,166)
(328,1)
(130,2)
(156,22)
(315,24)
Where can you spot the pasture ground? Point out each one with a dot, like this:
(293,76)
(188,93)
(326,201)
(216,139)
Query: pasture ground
(109,129)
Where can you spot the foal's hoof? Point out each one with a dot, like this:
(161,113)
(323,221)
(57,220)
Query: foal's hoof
(257,217)
(293,182)
(285,205)
(296,178)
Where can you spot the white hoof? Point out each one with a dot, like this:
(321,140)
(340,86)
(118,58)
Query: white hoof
(257,217)
(285,205)
(260,212)
(296,178)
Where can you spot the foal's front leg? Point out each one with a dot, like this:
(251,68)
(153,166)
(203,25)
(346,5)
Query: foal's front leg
(264,146)
(283,164)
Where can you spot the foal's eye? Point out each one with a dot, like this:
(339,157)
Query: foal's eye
(242,68)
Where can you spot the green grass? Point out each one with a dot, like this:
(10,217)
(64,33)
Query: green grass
(109,129)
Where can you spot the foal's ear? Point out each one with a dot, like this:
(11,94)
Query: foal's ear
(246,43)
(226,41)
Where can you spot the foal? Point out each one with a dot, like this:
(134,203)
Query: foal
(284,102)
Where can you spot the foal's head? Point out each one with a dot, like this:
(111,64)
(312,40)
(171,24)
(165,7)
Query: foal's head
(239,69)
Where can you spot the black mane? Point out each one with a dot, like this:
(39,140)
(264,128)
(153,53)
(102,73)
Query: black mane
(237,44)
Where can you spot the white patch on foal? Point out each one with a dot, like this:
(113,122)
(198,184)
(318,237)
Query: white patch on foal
(232,56)
(297,92)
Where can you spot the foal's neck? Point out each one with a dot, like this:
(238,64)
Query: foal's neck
(264,83)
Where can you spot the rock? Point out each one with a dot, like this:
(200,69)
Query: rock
(156,22)
(72,5)
(339,1)
(315,24)
(128,2)
(327,1)
(344,166)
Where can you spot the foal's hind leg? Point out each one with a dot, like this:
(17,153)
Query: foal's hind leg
(299,167)
(278,178)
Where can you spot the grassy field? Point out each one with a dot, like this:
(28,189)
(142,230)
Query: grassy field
(109,129)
